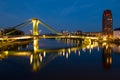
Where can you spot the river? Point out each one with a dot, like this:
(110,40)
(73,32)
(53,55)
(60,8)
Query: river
(60,60)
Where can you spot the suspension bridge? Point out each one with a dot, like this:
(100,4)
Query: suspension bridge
(37,53)
(35,33)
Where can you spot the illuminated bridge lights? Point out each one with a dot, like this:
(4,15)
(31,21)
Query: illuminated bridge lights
(46,36)
(35,31)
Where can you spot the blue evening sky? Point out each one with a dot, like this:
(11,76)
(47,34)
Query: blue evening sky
(71,15)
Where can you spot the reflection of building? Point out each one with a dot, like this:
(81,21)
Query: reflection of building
(107,24)
(116,33)
(116,48)
(107,56)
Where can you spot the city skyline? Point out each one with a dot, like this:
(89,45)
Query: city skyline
(68,15)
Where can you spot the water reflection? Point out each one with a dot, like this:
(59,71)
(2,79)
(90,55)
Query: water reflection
(38,58)
(36,44)
(106,56)
(35,60)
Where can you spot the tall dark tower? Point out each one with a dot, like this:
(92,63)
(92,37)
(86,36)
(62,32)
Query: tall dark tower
(107,29)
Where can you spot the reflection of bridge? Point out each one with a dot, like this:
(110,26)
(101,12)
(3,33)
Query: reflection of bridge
(40,60)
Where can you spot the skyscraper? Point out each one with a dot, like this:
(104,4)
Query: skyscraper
(107,29)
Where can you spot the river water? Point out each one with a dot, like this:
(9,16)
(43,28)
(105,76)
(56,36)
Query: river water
(61,60)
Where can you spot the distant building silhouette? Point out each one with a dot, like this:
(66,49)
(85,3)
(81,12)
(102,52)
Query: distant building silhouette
(107,29)
(95,34)
(1,32)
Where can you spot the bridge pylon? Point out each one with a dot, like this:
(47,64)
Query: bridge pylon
(35,22)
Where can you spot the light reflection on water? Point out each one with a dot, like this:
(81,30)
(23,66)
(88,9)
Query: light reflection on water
(71,62)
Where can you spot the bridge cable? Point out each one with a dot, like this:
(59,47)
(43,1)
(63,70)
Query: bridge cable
(48,27)
(21,24)
(20,27)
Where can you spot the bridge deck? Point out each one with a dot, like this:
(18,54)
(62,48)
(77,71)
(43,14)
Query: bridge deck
(47,36)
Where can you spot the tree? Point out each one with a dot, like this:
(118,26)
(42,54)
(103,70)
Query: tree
(13,31)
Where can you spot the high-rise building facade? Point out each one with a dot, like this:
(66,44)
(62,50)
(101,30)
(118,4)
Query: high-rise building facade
(107,23)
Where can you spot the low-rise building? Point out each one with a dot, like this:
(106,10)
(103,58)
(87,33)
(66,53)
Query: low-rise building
(116,33)
(96,34)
